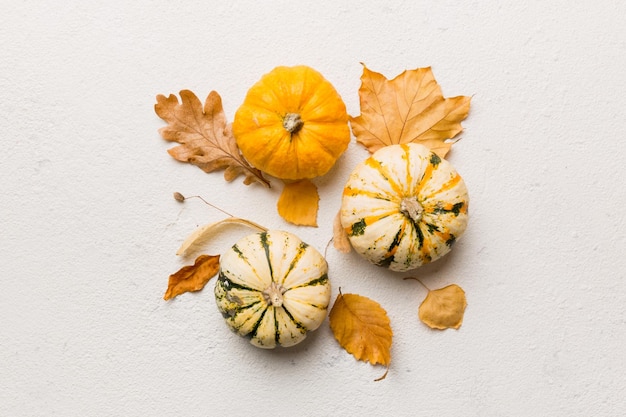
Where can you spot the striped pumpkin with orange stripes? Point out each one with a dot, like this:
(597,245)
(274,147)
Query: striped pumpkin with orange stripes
(404,207)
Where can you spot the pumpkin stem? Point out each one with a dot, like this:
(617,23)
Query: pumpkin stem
(410,207)
(292,122)
(274,294)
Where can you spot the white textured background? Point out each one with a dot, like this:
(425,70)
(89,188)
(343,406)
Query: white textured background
(89,229)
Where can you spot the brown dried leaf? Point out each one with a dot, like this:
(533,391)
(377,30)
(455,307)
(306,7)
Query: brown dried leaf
(193,277)
(408,108)
(204,136)
(298,203)
(443,308)
(362,328)
(340,237)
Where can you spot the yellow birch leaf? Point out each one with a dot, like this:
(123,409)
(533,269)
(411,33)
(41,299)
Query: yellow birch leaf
(443,308)
(408,108)
(193,277)
(340,237)
(362,328)
(299,202)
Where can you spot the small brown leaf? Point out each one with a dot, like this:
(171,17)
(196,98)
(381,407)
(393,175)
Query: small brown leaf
(298,203)
(443,308)
(206,140)
(362,328)
(408,108)
(340,237)
(193,277)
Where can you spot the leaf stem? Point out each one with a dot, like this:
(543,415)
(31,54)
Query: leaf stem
(179,197)
(418,280)
(384,375)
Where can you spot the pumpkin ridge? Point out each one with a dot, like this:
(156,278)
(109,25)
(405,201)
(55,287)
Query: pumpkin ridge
(389,257)
(299,325)
(383,194)
(299,254)
(276,329)
(321,280)
(353,192)
(266,248)
(445,187)
(455,209)
(235,248)
(225,281)
(409,177)
(311,134)
(253,332)
(426,177)
(384,172)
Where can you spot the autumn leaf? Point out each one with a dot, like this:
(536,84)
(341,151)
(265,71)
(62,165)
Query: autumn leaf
(362,328)
(340,236)
(202,234)
(298,203)
(192,277)
(443,308)
(205,138)
(408,108)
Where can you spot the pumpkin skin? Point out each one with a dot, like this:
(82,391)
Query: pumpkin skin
(273,288)
(404,207)
(292,124)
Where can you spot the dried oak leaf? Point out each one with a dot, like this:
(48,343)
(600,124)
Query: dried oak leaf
(298,203)
(443,308)
(206,140)
(408,108)
(362,328)
(193,277)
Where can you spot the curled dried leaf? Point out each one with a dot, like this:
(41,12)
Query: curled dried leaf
(340,237)
(192,277)
(443,308)
(298,203)
(205,139)
(362,328)
(202,234)
(408,108)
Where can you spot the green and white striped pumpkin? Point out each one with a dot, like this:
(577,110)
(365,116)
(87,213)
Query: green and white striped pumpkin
(273,288)
(404,207)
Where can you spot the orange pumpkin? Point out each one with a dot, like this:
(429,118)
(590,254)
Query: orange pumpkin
(292,124)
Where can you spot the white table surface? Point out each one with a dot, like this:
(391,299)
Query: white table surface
(89,228)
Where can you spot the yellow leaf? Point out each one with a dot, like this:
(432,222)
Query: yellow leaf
(202,234)
(298,203)
(206,140)
(362,328)
(408,108)
(340,237)
(193,277)
(443,308)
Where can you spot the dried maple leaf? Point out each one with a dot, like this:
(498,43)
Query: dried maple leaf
(362,328)
(408,108)
(192,277)
(443,308)
(204,136)
(298,203)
